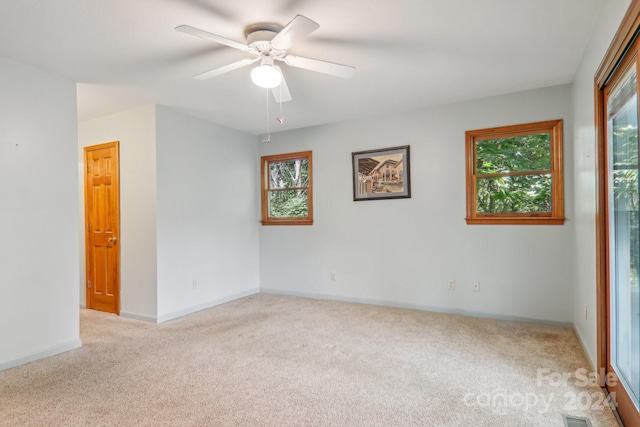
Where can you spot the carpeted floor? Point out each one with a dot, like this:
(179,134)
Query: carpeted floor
(272,360)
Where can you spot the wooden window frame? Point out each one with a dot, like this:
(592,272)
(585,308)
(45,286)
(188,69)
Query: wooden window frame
(264,174)
(556,216)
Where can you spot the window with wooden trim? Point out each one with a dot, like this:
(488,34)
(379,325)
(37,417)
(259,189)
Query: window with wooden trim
(514,174)
(287,190)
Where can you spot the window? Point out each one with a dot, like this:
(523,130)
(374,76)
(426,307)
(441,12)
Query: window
(287,196)
(514,174)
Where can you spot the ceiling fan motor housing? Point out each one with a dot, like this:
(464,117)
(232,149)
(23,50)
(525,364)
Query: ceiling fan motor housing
(260,40)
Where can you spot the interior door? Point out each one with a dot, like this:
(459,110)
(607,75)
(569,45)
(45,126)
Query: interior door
(623,238)
(102,221)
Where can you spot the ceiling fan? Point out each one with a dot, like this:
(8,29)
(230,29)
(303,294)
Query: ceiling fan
(268,43)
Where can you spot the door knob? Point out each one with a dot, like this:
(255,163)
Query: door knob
(112,239)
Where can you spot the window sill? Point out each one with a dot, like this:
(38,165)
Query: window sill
(491,220)
(288,221)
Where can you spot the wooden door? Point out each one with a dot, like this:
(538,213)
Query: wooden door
(102,222)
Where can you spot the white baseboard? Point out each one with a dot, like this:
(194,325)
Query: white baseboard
(142,317)
(189,310)
(149,319)
(185,311)
(71,345)
(584,350)
(416,307)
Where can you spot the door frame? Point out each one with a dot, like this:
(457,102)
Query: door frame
(615,55)
(116,145)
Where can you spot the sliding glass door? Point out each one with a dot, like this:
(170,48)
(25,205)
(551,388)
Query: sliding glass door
(623,214)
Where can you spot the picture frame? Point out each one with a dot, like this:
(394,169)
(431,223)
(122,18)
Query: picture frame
(381,174)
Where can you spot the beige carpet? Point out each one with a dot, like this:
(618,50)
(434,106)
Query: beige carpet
(269,360)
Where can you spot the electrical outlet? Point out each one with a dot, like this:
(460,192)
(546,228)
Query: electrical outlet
(333,277)
(476,286)
(451,285)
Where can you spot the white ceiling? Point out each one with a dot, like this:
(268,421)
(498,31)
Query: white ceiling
(408,53)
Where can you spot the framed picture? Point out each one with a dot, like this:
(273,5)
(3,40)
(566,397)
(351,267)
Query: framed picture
(381,174)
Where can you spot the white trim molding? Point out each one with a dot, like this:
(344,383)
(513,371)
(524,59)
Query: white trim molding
(185,311)
(52,351)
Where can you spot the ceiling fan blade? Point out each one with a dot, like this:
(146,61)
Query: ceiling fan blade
(281,93)
(338,70)
(222,70)
(192,31)
(299,27)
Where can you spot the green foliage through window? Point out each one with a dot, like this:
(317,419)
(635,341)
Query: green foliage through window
(513,154)
(528,193)
(502,191)
(514,174)
(287,189)
(624,177)
(288,182)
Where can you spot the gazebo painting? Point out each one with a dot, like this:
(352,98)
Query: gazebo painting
(381,174)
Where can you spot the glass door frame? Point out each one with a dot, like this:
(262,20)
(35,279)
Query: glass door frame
(622,52)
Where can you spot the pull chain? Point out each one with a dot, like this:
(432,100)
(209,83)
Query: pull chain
(268,140)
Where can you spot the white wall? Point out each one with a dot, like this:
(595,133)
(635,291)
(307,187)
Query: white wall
(585,172)
(402,252)
(207,229)
(188,206)
(38,215)
(135,129)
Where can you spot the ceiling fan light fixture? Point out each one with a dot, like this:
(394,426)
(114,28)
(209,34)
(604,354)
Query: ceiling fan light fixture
(268,42)
(266,76)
